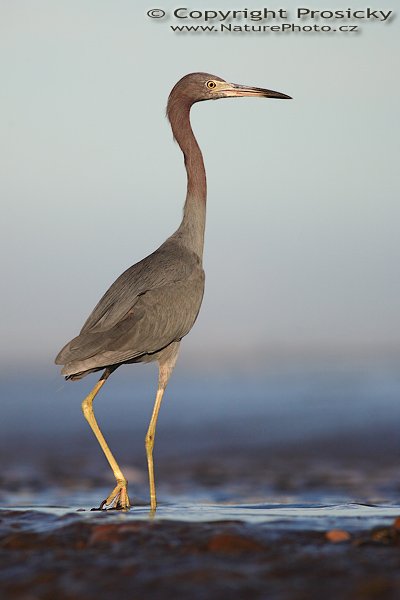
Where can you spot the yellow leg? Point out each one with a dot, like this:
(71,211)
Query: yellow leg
(119,496)
(151,432)
(166,365)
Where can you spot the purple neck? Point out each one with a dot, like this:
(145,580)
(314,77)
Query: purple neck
(191,230)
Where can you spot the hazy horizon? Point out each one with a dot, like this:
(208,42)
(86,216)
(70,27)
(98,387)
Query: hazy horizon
(301,253)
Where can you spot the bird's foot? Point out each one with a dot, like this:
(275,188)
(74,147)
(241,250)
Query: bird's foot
(117,500)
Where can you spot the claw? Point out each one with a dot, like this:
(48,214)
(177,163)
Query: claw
(117,500)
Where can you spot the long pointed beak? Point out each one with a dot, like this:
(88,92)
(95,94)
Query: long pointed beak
(233,90)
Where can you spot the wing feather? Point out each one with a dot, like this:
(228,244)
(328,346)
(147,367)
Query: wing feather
(169,263)
(131,321)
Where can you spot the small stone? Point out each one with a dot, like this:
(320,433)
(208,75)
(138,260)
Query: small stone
(336,536)
(396,523)
(384,535)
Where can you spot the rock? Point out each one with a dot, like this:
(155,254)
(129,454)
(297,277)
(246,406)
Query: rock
(336,536)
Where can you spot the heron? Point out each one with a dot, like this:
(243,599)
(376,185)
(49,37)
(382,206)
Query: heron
(152,305)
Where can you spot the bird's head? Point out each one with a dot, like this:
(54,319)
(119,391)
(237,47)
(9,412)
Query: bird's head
(197,87)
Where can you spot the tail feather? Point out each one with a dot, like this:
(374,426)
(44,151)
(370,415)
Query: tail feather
(82,347)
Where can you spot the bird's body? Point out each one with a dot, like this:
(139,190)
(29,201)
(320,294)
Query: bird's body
(150,307)
(165,288)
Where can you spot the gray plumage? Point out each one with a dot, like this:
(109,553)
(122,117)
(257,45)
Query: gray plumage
(152,304)
(148,310)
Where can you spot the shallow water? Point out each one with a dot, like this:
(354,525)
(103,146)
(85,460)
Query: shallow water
(299,517)
(210,551)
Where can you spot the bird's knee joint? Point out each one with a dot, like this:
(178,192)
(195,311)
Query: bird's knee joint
(86,408)
(149,442)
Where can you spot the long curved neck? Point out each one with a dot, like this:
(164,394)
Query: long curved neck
(191,230)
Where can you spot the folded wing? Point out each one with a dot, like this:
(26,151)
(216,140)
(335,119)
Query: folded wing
(131,321)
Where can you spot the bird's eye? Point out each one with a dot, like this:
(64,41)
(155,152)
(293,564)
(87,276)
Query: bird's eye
(211,85)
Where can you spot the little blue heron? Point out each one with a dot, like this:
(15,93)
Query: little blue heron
(150,307)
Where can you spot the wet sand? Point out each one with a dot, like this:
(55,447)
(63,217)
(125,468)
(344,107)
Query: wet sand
(233,522)
(114,556)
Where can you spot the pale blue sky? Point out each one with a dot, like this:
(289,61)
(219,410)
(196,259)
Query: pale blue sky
(302,242)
